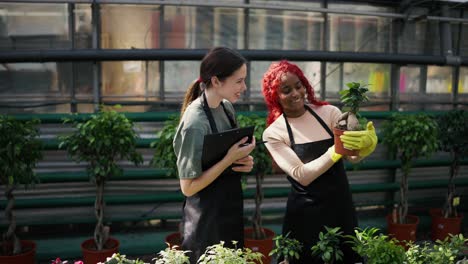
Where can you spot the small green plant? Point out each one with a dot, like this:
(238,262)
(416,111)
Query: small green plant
(107,137)
(262,167)
(377,248)
(453,137)
(218,254)
(328,246)
(20,150)
(164,156)
(352,98)
(121,259)
(172,255)
(409,137)
(446,251)
(286,247)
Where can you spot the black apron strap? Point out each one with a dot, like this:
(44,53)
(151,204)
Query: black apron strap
(209,115)
(290,134)
(232,119)
(320,120)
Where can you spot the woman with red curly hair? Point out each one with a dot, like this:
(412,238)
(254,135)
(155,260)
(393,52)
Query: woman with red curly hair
(300,140)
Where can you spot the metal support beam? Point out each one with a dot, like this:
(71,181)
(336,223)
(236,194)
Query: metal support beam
(197,54)
(96,24)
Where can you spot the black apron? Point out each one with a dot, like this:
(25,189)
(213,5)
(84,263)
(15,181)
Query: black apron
(215,213)
(327,201)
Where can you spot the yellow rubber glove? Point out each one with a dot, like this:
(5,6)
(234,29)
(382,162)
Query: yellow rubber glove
(333,155)
(365,140)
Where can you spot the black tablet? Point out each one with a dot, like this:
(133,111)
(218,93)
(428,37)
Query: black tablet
(215,146)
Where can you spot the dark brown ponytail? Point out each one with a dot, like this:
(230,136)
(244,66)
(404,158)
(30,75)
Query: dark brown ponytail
(221,62)
(192,93)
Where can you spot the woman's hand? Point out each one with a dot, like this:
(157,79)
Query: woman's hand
(246,164)
(239,150)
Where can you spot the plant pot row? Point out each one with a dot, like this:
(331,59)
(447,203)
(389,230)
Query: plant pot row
(88,249)
(441,227)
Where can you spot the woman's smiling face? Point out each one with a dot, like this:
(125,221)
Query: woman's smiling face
(291,95)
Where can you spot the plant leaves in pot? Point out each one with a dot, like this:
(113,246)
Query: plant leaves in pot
(20,150)
(101,141)
(350,120)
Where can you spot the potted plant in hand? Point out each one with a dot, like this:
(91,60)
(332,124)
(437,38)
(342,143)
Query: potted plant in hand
(328,246)
(219,254)
(409,137)
(20,150)
(258,238)
(101,141)
(164,158)
(350,120)
(286,248)
(453,131)
(376,248)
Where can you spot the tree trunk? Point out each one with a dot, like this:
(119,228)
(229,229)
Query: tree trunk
(403,210)
(101,232)
(9,235)
(259,233)
(449,208)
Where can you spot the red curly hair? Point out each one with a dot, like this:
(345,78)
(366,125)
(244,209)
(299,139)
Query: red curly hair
(270,86)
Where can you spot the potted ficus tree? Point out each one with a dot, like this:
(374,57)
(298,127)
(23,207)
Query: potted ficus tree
(258,238)
(286,248)
(453,138)
(164,158)
(408,137)
(101,141)
(350,120)
(328,245)
(20,150)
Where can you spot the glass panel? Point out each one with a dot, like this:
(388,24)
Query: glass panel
(44,87)
(410,95)
(33,26)
(377,76)
(229,27)
(130,80)
(129,26)
(288,30)
(359,33)
(177,30)
(439,80)
(178,75)
(415,35)
(410,79)
(464,37)
(258,68)
(463,83)
(83,26)
(463,87)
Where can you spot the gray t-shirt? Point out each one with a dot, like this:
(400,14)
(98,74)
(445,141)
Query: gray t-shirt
(188,141)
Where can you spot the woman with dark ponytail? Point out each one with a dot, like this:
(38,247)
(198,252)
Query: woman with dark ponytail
(213,208)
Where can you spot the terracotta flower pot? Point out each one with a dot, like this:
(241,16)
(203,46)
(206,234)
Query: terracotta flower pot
(174,239)
(403,232)
(263,246)
(27,256)
(339,148)
(441,227)
(92,256)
